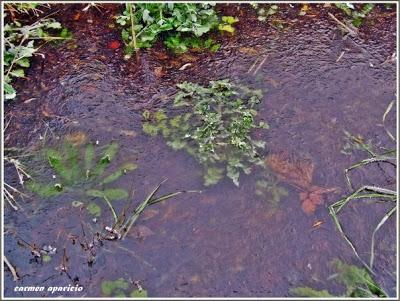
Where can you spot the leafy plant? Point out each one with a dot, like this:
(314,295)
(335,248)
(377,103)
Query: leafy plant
(356,16)
(179,25)
(358,283)
(119,288)
(264,11)
(20,42)
(82,171)
(227,23)
(216,130)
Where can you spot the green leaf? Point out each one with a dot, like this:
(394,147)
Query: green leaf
(213,175)
(95,193)
(24,62)
(115,194)
(9,91)
(43,190)
(54,25)
(310,292)
(94,209)
(89,156)
(55,160)
(46,258)
(150,129)
(106,157)
(229,19)
(226,27)
(139,293)
(120,172)
(18,73)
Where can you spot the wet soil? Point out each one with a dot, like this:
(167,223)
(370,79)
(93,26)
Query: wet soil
(226,241)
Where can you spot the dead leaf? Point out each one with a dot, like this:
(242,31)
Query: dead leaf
(159,72)
(128,133)
(77,138)
(149,213)
(300,175)
(141,232)
(248,50)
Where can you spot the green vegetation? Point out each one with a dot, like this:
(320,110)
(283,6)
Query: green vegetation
(216,130)
(269,189)
(358,283)
(178,25)
(370,192)
(355,15)
(119,288)
(265,10)
(82,172)
(21,43)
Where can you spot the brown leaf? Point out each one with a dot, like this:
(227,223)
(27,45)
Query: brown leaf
(159,72)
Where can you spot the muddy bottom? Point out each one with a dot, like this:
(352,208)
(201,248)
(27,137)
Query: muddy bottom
(225,241)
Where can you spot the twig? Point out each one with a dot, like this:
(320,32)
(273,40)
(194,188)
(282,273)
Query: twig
(11,268)
(340,56)
(349,30)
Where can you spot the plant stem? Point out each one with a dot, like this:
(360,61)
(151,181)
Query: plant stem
(112,209)
(129,5)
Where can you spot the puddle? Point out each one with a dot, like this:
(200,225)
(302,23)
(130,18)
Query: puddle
(226,241)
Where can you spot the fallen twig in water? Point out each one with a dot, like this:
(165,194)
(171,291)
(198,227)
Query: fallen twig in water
(344,26)
(11,268)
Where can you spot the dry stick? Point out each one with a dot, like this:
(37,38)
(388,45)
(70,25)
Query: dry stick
(260,65)
(384,118)
(381,223)
(137,257)
(252,66)
(351,31)
(11,268)
(340,56)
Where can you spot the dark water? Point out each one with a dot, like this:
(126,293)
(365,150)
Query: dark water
(225,241)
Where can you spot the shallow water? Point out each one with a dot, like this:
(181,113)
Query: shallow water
(225,241)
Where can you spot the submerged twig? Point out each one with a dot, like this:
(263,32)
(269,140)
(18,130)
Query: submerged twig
(347,28)
(11,268)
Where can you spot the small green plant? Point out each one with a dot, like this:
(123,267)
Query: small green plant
(356,16)
(82,172)
(269,189)
(216,130)
(358,283)
(265,10)
(178,25)
(20,44)
(120,288)
(227,24)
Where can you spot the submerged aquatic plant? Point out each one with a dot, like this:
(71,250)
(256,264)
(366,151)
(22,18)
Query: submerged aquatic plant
(358,283)
(120,287)
(375,192)
(216,130)
(82,171)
